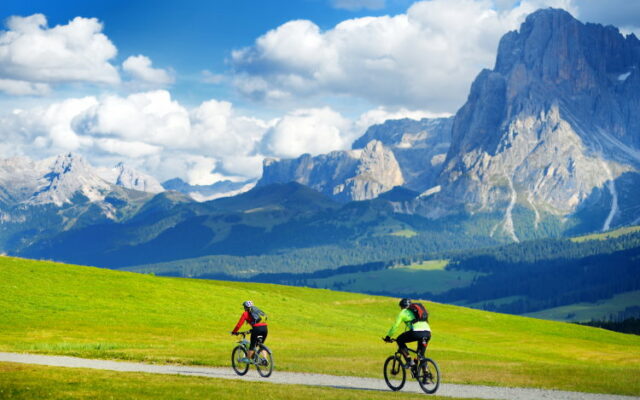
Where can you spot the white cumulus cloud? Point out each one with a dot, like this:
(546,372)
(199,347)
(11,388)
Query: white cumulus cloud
(425,58)
(148,130)
(20,88)
(34,57)
(139,67)
(30,51)
(152,117)
(313,131)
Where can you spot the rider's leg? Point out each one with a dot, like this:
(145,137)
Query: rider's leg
(265,332)
(402,341)
(258,335)
(425,336)
(252,344)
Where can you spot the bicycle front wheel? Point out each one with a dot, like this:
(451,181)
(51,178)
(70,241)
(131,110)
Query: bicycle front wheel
(264,362)
(428,376)
(394,373)
(238,366)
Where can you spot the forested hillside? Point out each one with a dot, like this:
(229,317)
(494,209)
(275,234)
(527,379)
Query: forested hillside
(549,273)
(518,278)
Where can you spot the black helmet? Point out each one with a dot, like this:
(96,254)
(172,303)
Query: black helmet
(404,303)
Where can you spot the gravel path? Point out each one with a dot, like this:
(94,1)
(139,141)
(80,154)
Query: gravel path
(342,382)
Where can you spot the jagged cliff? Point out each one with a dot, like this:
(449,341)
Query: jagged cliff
(397,152)
(419,146)
(344,175)
(554,127)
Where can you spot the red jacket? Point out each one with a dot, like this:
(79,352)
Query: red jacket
(246,316)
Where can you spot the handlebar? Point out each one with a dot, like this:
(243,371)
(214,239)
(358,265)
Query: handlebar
(391,340)
(244,333)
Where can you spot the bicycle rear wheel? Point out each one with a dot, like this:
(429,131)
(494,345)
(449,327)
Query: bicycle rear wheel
(264,361)
(394,373)
(237,354)
(428,375)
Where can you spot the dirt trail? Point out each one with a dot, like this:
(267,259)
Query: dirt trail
(342,382)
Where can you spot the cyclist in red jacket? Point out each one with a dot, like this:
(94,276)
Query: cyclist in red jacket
(257,319)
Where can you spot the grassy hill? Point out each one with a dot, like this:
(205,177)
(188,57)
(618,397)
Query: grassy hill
(54,308)
(602,310)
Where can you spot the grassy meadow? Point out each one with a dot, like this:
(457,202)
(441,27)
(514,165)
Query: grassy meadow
(431,276)
(27,382)
(598,311)
(51,308)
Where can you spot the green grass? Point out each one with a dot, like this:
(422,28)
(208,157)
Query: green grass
(28,382)
(607,235)
(430,265)
(407,233)
(585,312)
(428,277)
(496,302)
(53,308)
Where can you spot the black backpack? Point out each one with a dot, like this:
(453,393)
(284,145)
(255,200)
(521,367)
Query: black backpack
(420,313)
(257,314)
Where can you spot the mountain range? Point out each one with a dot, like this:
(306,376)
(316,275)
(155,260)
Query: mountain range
(549,136)
(547,144)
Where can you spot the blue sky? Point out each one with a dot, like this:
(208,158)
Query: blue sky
(192,36)
(205,90)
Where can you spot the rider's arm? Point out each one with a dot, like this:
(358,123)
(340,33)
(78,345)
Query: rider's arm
(401,318)
(243,318)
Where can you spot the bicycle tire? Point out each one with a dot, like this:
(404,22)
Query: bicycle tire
(237,353)
(394,373)
(428,376)
(264,365)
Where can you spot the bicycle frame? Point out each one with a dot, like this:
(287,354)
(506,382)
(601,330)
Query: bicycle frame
(419,356)
(245,343)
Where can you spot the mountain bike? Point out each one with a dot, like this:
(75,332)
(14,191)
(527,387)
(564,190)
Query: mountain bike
(262,357)
(424,370)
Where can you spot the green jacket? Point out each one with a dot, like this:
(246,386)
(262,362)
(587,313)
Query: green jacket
(407,316)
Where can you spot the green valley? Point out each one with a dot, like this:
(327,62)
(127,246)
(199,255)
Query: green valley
(51,308)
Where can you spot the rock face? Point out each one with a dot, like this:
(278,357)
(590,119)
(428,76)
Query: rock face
(398,152)
(555,122)
(60,180)
(46,197)
(419,146)
(52,181)
(127,177)
(344,175)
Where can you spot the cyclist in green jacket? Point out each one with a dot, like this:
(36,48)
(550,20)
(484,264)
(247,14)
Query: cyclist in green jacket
(419,331)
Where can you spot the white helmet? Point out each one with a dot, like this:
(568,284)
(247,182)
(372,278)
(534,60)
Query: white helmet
(247,304)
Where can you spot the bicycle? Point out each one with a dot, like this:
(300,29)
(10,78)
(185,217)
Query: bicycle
(424,370)
(262,357)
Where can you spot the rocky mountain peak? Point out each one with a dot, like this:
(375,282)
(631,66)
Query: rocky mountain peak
(127,177)
(397,152)
(69,175)
(344,175)
(555,123)
(65,179)
(377,172)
